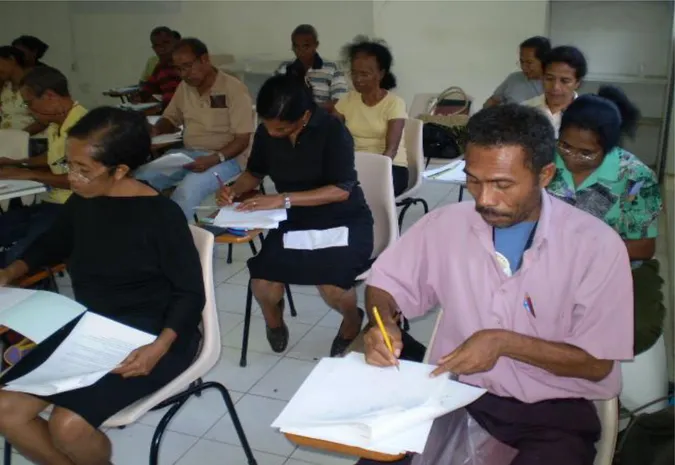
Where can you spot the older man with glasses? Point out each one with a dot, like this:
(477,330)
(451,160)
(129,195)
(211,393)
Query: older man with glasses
(216,112)
(45,93)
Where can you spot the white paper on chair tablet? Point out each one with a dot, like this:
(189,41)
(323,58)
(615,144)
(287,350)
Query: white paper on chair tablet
(139,106)
(167,138)
(229,217)
(452,172)
(169,163)
(346,401)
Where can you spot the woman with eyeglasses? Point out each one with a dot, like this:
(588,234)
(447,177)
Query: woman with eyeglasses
(132,259)
(600,177)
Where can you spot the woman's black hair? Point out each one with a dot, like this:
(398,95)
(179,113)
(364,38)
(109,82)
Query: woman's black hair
(540,44)
(377,49)
(285,97)
(571,56)
(119,137)
(32,43)
(609,114)
(9,52)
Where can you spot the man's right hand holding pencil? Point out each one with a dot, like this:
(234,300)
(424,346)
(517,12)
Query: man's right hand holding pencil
(378,352)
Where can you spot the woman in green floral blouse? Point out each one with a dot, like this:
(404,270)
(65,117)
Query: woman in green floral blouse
(598,176)
(14,114)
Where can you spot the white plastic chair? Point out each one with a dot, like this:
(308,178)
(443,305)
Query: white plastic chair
(415,152)
(374,174)
(189,383)
(608,413)
(14,144)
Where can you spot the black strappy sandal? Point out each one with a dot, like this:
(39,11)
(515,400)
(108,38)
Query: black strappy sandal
(341,344)
(278,337)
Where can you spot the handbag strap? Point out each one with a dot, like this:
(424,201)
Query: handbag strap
(450,91)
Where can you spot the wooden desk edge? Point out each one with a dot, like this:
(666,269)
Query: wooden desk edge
(342,449)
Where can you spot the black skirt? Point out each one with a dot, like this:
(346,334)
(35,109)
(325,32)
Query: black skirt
(336,266)
(112,393)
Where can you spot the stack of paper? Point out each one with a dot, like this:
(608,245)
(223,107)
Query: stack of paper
(229,217)
(167,138)
(453,172)
(95,347)
(384,410)
(125,90)
(168,164)
(10,188)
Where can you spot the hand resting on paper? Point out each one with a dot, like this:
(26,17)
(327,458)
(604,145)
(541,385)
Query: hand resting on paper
(143,360)
(477,354)
(202,163)
(377,352)
(4,277)
(261,202)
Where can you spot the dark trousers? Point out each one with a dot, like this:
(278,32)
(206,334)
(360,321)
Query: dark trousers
(400,175)
(551,432)
(19,227)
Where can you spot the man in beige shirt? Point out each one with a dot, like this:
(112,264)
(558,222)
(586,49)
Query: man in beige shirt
(216,112)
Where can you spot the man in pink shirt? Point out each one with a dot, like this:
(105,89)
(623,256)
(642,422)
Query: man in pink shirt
(536,295)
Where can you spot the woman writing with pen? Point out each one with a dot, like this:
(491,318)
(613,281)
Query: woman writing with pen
(327,239)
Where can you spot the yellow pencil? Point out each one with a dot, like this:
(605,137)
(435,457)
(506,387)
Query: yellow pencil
(385,335)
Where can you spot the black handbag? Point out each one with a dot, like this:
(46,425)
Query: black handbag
(440,142)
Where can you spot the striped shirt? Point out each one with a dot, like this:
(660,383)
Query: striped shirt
(163,81)
(326,78)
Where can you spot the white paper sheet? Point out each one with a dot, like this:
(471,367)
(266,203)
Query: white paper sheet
(167,138)
(169,163)
(229,217)
(453,172)
(11,188)
(96,346)
(139,106)
(315,239)
(125,90)
(36,314)
(152,119)
(383,409)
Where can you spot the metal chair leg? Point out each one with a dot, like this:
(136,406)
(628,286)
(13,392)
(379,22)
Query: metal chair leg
(290,300)
(7,460)
(179,400)
(247,325)
(229,253)
(425,205)
(461,193)
(254,251)
(402,214)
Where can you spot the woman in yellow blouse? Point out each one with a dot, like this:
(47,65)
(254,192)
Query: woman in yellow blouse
(374,115)
(14,114)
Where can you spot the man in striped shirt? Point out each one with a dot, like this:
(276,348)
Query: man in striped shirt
(325,77)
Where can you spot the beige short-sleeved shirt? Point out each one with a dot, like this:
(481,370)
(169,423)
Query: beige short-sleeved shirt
(211,120)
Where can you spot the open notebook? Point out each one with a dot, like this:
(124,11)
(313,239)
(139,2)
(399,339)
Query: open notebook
(229,217)
(380,409)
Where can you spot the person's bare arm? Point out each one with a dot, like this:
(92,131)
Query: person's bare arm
(230,151)
(641,249)
(37,162)
(492,101)
(394,135)
(244,184)
(15,271)
(385,303)
(60,181)
(34,128)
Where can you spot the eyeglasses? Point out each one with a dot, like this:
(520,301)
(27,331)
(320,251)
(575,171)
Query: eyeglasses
(184,69)
(567,150)
(75,174)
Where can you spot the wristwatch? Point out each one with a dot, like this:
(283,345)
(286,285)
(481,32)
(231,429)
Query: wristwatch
(287,202)
(221,157)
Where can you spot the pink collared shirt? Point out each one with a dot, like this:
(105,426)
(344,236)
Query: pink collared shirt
(577,274)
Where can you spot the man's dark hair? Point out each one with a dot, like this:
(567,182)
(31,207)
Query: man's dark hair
(43,78)
(609,115)
(196,46)
(176,35)
(119,137)
(569,55)
(377,49)
(12,53)
(160,30)
(31,43)
(540,44)
(305,30)
(515,125)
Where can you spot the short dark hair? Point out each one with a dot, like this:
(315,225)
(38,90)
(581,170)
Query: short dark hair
(609,114)
(160,30)
(285,97)
(9,52)
(32,43)
(305,30)
(119,137)
(540,44)
(515,125)
(176,35)
(43,78)
(196,46)
(571,56)
(377,49)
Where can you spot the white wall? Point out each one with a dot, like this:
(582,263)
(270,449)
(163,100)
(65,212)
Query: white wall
(107,43)
(472,44)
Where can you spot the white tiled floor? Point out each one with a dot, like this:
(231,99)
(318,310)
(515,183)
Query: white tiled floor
(202,432)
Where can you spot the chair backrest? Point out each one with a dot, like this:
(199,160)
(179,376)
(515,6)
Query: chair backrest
(374,174)
(209,352)
(608,413)
(221,60)
(14,144)
(415,152)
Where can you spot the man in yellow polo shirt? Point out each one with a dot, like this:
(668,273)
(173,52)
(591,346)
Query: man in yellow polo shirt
(45,93)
